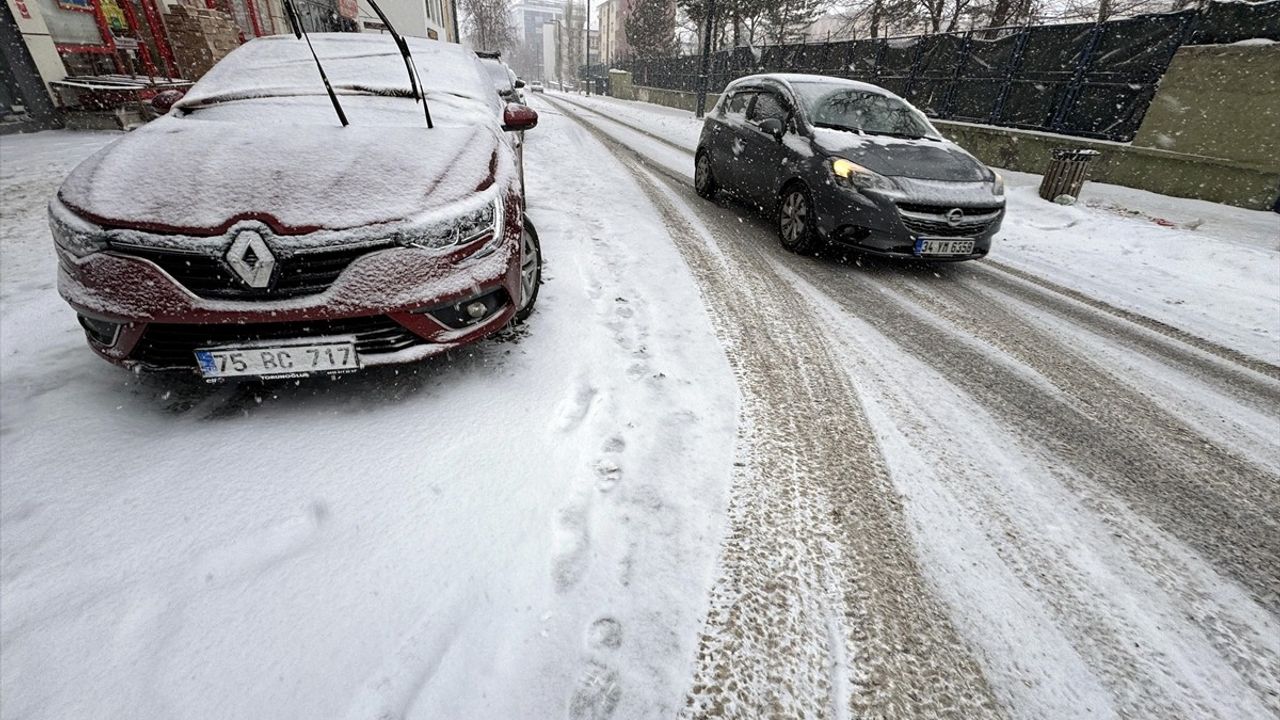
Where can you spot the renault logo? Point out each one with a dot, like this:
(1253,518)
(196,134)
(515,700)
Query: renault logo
(954,216)
(251,259)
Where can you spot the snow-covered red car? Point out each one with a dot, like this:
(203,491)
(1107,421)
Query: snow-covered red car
(251,232)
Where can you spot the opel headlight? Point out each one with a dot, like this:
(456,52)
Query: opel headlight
(72,234)
(997,183)
(852,175)
(462,229)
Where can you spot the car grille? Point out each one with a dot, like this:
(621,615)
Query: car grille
(931,220)
(302,273)
(169,345)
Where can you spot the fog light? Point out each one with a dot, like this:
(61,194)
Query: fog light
(103,332)
(476,310)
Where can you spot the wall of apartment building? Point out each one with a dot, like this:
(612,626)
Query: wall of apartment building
(412,18)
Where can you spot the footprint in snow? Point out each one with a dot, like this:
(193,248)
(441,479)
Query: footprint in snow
(605,633)
(597,694)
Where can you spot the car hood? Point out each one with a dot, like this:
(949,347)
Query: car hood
(199,177)
(900,157)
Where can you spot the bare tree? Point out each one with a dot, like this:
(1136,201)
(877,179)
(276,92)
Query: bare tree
(488,24)
(571,41)
(651,28)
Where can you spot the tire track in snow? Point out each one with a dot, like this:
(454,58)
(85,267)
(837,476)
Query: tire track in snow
(1218,502)
(1046,289)
(1213,500)
(818,566)
(1256,364)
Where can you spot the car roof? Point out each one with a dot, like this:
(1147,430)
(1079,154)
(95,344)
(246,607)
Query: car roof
(788,80)
(281,66)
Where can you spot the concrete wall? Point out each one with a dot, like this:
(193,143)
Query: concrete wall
(1212,132)
(1219,101)
(1168,173)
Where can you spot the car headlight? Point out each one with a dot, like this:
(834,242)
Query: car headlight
(73,234)
(459,230)
(997,183)
(852,175)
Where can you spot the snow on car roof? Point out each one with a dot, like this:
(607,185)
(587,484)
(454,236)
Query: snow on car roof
(281,65)
(789,79)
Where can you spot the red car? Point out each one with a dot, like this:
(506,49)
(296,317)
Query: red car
(267,227)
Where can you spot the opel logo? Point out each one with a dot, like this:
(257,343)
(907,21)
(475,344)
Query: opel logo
(954,216)
(251,259)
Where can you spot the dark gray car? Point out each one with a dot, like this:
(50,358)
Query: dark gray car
(851,164)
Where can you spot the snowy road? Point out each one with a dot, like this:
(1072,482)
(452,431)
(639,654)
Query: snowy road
(964,493)
(711,479)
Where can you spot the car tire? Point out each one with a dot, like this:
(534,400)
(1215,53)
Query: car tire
(530,272)
(704,181)
(797,228)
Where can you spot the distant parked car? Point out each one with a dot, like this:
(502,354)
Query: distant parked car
(503,77)
(536,86)
(247,234)
(848,163)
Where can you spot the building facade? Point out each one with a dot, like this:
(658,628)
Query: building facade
(528,18)
(433,19)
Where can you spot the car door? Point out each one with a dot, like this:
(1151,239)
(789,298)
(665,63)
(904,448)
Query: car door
(727,131)
(763,155)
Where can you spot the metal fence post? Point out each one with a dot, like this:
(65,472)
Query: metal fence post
(1077,78)
(945,112)
(915,67)
(1015,62)
(875,69)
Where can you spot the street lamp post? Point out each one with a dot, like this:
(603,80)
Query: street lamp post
(706,57)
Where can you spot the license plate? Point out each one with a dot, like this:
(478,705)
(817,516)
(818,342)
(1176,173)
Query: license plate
(281,358)
(925,246)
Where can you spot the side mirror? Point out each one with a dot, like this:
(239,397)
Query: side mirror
(163,101)
(519,83)
(519,117)
(773,126)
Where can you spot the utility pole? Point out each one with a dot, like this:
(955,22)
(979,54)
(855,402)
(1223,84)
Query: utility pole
(586,45)
(710,22)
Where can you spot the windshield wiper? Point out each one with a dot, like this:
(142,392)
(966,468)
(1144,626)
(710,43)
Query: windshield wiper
(415,82)
(301,33)
(864,131)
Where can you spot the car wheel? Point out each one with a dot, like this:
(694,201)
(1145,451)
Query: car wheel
(703,181)
(796,222)
(530,272)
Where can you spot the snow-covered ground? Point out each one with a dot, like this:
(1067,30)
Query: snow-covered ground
(1212,270)
(710,479)
(1089,498)
(523,529)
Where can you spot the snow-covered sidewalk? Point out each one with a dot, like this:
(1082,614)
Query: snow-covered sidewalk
(1209,269)
(523,528)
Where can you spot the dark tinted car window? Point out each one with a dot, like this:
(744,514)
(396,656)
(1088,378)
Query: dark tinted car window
(848,108)
(767,105)
(737,104)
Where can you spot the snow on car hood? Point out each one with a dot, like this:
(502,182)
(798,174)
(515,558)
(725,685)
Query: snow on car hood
(190,175)
(901,157)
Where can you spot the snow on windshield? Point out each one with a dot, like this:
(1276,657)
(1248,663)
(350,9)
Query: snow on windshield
(834,104)
(282,65)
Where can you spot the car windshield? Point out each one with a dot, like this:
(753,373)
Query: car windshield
(839,106)
(355,63)
(499,75)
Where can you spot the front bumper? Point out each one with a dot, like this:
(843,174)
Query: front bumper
(888,224)
(401,304)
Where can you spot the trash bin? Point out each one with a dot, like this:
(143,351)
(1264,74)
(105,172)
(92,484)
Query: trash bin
(1066,173)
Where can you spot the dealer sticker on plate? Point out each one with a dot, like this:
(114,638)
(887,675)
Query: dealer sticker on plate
(928,246)
(281,358)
